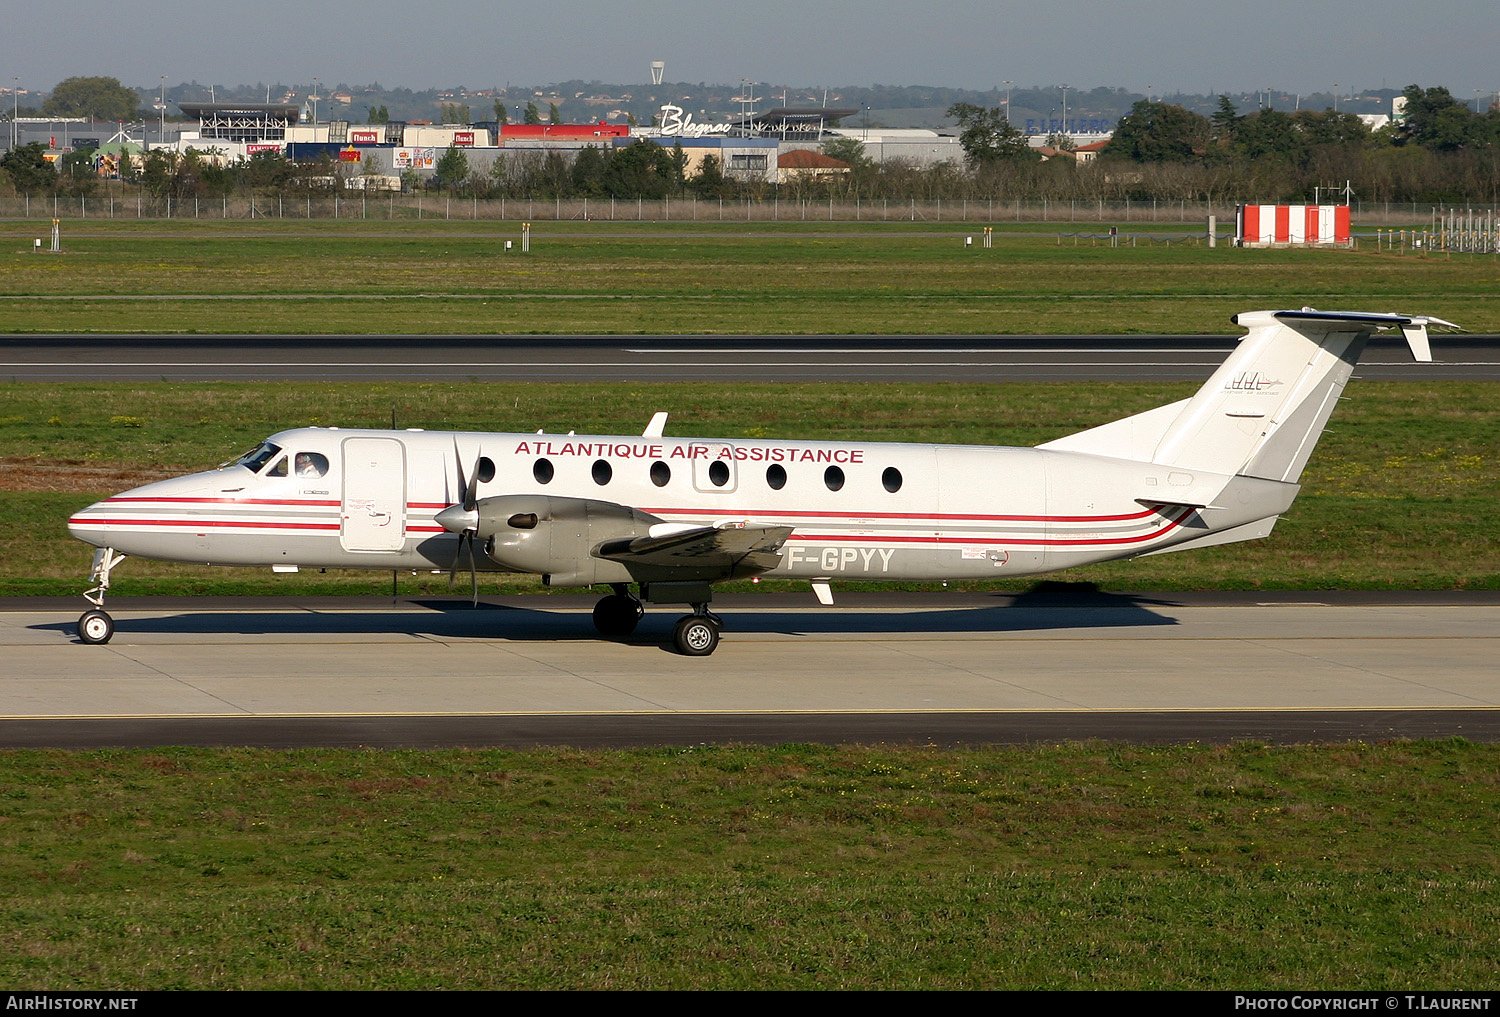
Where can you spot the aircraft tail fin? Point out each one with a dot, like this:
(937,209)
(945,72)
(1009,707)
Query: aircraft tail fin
(1263,410)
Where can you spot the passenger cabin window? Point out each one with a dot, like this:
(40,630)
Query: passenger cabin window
(834,478)
(542,471)
(661,473)
(311,464)
(602,472)
(776,476)
(891,478)
(718,473)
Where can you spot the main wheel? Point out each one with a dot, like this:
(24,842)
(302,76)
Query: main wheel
(617,615)
(95,626)
(695,636)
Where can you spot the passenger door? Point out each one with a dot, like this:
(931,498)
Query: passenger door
(373,516)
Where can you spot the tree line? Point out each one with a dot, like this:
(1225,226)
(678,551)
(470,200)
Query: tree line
(1441,151)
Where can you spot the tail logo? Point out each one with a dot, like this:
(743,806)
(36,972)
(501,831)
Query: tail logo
(1249,381)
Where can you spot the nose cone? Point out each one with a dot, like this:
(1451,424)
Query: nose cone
(123,521)
(89,524)
(457,519)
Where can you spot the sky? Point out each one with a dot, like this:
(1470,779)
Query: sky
(1166,46)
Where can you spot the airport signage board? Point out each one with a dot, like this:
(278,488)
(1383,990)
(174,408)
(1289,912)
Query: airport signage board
(677,124)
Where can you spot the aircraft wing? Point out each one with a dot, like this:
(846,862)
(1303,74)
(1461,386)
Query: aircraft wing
(700,552)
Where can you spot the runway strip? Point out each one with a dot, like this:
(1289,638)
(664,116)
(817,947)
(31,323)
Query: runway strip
(679,358)
(962,669)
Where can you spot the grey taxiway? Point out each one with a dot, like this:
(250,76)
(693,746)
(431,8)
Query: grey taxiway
(940,668)
(763,358)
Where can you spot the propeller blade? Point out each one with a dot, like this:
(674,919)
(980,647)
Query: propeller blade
(458,464)
(484,472)
(473,573)
(461,518)
(453,572)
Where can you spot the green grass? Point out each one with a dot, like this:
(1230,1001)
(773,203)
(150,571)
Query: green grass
(787,278)
(1080,866)
(1399,495)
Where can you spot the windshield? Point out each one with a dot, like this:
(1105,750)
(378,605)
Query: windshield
(257,458)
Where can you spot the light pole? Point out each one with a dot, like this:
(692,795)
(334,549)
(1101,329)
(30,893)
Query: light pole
(1007,101)
(314,98)
(161,135)
(15,110)
(1335,96)
(1065,109)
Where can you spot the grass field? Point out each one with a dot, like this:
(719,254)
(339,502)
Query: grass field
(455,277)
(1078,866)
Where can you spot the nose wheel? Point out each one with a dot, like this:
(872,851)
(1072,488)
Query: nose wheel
(95,626)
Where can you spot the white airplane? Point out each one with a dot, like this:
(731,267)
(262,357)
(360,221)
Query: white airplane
(675,515)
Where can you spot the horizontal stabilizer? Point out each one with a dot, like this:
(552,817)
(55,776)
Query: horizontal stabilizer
(1413,327)
(1247,531)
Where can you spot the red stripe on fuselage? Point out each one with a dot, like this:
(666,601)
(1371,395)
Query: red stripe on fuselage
(854,518)
(226,501)
(1171,525)
(205,523)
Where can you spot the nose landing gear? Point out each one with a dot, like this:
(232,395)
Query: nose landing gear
(95,625)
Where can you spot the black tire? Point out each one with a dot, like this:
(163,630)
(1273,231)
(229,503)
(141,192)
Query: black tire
(695,636)
(95,627)
(616,616)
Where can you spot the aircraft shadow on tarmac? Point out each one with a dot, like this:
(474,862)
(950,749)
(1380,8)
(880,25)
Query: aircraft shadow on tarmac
(1051,607)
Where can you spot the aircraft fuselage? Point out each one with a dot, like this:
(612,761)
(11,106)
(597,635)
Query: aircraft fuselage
(858,510)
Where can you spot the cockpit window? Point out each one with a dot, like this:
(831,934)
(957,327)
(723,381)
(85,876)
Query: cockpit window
(279,470)
(257,458)
(311,464)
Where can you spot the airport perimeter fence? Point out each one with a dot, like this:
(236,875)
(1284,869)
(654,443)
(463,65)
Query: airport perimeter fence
(394,206)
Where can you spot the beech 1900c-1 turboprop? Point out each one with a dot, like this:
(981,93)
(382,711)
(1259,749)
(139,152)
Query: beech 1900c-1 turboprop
(675,515)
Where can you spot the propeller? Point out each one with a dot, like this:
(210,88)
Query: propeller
(462,517)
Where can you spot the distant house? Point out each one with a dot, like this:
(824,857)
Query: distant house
(1090,152)
(805,164)
(1083,153)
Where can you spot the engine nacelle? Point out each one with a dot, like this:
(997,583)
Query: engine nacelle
(555,537)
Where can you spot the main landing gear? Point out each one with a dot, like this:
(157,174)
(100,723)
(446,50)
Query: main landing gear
(617,615)
(695,635)
(95,625)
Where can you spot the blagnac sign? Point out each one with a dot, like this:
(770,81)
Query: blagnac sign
(677,124)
